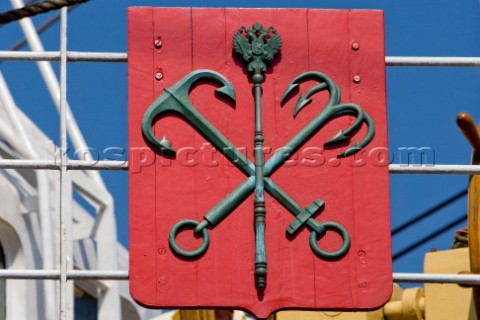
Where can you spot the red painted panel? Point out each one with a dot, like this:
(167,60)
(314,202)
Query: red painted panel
(165,191)
(142,173)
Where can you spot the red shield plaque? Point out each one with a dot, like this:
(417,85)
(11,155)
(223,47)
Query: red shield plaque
(167,45)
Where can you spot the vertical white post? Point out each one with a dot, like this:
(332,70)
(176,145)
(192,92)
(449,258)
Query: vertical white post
(69,298)
(65,212)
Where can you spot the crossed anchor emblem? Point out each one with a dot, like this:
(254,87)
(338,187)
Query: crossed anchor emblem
(257,45)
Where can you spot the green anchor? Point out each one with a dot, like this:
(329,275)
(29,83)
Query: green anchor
(257,45)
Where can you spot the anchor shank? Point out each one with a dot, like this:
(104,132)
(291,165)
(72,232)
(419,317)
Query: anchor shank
(259,200)
(257,45)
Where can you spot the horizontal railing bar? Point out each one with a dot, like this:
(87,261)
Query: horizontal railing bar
(433,61)
(463,279)
(73,56)
(71,165)
(72,275)
(123,165)
(97,56)
(98,275)
(434,169)
(30,274)
(76,56)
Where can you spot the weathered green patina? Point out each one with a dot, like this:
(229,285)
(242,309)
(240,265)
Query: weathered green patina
(257,45)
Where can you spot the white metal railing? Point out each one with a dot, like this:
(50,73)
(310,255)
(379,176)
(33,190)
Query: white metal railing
(65,272)
(463,279)
(71,56)
(434,169)
(104,227)
(65,214)
(75,56)
(71,274)
(70,165)
(433,61)
(123,165)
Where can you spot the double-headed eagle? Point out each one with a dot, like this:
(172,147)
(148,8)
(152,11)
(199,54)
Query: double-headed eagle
(257,44)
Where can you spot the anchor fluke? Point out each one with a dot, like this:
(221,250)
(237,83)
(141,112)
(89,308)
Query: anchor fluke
(338,138)
(228,91)
(301,102)
(166,147)
(354,148)
(176,100)
(292,86)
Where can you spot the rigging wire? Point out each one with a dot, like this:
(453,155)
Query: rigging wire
(429,212)
(29,2)
(40,30)
(429,237)
(36,8)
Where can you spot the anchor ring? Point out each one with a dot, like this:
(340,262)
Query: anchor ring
(333,226)
(188,254)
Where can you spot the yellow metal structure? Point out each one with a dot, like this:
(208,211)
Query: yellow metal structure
(411,306)
(195,315)
(467,126)
(209,315)
(327,315)
(403,305)
(448,301)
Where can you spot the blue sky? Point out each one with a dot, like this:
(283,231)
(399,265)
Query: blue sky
(422,102)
